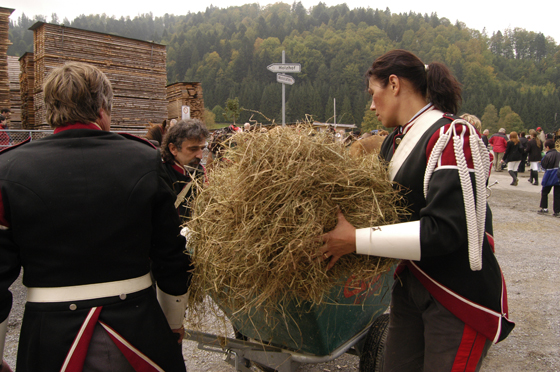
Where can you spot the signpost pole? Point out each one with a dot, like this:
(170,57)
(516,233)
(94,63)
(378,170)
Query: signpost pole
(334,102)
(283,93)
(281,69)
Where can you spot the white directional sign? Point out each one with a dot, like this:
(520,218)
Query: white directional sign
(284,67)
(285,79)
(185,112)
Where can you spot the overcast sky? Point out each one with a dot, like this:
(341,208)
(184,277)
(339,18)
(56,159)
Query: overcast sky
(538,15)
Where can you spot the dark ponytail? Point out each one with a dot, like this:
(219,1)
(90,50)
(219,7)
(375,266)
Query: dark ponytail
(434,82)
(444,91)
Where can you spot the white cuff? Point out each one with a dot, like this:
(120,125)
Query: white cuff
(173,307)
(401,241)
(3,330)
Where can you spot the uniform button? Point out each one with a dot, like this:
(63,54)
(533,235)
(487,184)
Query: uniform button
(73,307)
(398,141)
(123,296)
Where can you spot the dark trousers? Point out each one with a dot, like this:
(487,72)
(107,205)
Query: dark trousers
(555,200)
(523,162)
(426,337)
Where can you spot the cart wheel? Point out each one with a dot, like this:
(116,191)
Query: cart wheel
(371,359)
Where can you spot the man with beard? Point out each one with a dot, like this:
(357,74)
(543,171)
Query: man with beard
(182,152)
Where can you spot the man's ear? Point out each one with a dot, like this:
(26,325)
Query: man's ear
(172,149)
(104,120)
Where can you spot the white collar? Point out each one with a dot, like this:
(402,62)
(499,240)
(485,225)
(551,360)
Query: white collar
(405,128)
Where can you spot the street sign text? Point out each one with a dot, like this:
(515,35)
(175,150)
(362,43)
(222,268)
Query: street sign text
(285,67)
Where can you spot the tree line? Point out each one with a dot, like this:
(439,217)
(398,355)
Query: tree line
(509,79)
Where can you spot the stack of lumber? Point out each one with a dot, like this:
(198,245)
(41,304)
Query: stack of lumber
(185,94)
(15,92)
(136,69)
(27,86)
(4,44)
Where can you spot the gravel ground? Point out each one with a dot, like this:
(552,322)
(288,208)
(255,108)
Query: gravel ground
(528,250)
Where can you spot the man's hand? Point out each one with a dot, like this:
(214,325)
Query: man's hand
(180,332)
(5,367)
(338,242)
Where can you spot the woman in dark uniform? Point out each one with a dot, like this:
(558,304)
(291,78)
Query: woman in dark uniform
(448,305)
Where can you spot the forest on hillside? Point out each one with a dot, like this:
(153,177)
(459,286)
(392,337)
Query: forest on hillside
(510,79)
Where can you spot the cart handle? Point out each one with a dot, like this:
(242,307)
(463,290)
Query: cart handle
(226,342)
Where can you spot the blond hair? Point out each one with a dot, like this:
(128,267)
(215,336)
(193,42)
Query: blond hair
(473,120)
(76,92)
(513,137)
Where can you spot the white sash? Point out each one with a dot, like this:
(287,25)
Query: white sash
(421,124)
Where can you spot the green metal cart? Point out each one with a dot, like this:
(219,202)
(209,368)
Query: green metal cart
(352,321)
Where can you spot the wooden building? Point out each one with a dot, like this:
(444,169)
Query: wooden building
(185,94)
(136,69)
(15,93)
(4,44)
(27,88)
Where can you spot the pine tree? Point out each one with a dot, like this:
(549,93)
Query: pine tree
(490,119)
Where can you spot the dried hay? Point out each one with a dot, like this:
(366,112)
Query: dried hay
(255,225)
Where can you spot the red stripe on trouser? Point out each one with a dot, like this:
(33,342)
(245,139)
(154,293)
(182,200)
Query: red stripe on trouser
(137,360)
(77,355)
(470,351)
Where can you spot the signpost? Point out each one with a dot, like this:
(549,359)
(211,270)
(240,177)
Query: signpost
(280,69)
(284,67)
(285,79)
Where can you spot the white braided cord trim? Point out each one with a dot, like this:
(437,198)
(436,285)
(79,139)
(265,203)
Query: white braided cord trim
(475,207)
(433,160)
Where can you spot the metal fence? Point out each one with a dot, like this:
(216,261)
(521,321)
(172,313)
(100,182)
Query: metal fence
(14,136)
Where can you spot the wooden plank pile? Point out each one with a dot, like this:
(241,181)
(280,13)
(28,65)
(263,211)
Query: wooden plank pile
(15,93)
(136,69)
(4,44)
(27,87)
(185,94)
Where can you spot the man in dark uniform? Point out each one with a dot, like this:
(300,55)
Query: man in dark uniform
(85,212)
(182,153)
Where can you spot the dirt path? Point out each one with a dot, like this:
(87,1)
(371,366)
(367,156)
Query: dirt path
(528,248)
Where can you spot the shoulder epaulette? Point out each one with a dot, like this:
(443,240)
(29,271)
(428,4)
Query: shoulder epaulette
(139,139)
(4,150)
(450,116)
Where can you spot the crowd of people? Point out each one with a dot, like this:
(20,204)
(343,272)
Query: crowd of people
(104,260)
(538,152)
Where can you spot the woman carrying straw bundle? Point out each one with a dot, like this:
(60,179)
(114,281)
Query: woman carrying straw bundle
(449,304)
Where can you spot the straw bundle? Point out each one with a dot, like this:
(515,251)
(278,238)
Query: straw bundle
(255,226)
